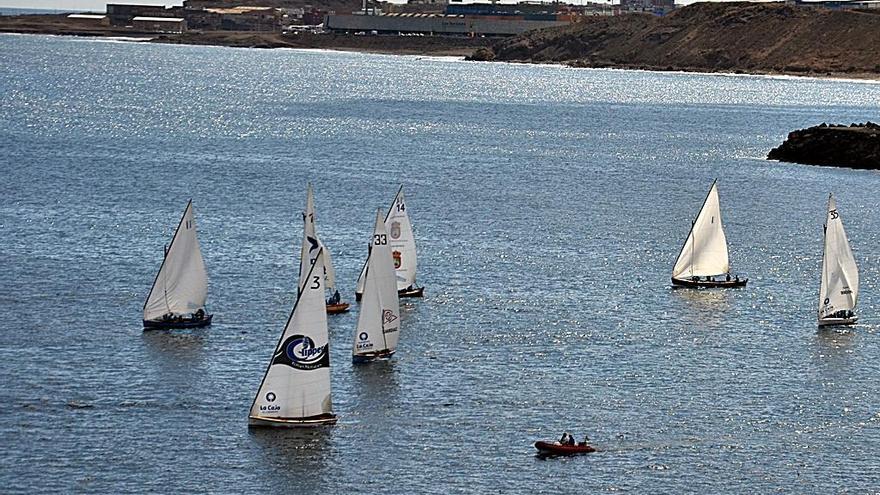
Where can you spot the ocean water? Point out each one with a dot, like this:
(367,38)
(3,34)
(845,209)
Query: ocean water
(549,205)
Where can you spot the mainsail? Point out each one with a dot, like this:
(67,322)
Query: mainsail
(311,244)
(705,251)
(181,286)
(296,384)
(839,289)
(378,327)
(402,242)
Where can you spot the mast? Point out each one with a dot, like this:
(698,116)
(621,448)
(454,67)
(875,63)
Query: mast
(162,265)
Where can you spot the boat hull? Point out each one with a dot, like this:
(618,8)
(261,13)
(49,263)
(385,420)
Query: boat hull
(182,323)
(554,449)
(366,358)
(416,292)
(333,309)
(833,322)
(311,422)
(677,282)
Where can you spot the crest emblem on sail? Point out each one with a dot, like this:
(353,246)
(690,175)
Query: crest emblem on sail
(839,289)
(402,242)
(704,252)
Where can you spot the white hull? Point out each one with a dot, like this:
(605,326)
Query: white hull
(829,322)
(292,422)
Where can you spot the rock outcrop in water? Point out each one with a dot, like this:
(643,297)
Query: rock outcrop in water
(728,37)
(856,146)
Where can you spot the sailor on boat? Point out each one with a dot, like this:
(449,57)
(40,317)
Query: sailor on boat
(334,299)
(564,446)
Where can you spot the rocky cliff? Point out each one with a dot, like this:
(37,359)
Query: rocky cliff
(731,37)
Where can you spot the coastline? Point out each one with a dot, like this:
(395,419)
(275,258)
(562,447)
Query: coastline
(472,49)
(858,77)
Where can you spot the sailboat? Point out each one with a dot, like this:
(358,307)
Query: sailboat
(295,390)
(310,247)
(378,326)
(403,250)
(839,289)
(180,289)
(704,253)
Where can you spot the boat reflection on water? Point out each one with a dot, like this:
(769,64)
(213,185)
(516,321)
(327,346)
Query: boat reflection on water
(296,456)
(834,345)
(176,347)
(377,389)
(701,305)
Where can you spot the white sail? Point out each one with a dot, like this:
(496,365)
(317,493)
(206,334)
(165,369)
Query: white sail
(378,327)
(296,384)
(705,251)
(181,286)
(839,289)
(402,242)
(311,244)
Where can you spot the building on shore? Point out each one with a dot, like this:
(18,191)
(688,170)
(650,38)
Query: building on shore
(248,18)
(478,19)
(89,20)
(159,24)
(440,24)
(122,14)
(197,16)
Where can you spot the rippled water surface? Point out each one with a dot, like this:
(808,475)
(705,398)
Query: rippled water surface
(549,206)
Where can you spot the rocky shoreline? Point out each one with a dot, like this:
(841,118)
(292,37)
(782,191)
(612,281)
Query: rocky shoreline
(853,146)
(748,38)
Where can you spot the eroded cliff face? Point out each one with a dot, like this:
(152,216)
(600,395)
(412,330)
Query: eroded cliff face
(732,37)
(855,146)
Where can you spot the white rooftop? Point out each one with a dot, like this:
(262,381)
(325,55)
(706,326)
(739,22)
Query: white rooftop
(159,19)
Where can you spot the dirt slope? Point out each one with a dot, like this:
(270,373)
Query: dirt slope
(747,37)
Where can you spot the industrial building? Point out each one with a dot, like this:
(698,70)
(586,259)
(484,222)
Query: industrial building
(460,24)
(159,24)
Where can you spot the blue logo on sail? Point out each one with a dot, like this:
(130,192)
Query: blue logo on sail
(300,352)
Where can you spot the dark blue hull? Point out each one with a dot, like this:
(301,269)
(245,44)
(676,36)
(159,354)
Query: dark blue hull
(409,292)
(367,358)
(181,323)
